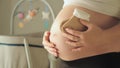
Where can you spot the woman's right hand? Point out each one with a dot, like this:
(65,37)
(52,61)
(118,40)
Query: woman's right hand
(50,47)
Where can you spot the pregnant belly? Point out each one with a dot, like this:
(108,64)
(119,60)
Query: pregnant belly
(65,51)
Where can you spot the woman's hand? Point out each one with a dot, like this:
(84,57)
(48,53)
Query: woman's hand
(50,47)
(93,39)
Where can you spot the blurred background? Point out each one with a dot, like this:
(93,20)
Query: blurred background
(9,45)
(6,7)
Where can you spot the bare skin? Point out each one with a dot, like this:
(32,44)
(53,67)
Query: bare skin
(58,43)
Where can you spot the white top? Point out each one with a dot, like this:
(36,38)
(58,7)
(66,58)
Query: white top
(108,7)
(81,14)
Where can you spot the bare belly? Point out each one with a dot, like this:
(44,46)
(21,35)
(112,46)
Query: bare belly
(65,51)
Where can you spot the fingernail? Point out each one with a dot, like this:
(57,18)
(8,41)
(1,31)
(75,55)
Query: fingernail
(55,50)
(67,29)
(56,54)
(76,49)
(52,45)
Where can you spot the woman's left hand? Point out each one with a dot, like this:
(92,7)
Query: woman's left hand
(93,38)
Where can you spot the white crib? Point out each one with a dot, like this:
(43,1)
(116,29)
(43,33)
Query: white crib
(22,52)
(25,50)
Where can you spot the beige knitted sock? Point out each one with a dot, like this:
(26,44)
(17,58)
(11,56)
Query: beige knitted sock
(74,21)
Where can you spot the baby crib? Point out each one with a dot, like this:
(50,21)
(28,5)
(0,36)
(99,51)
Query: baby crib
(23,50)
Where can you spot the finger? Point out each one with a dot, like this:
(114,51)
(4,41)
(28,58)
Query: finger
(75,44)
(90,26)
(77,49)
(70,37)
(46,40)
(46,35)
(53,51)
(86,23)
(50,49)
(73,32)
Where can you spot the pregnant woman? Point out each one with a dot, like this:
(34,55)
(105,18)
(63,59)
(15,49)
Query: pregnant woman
(93,48)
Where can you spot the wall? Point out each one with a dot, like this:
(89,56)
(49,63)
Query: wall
(4,16)
(6,7)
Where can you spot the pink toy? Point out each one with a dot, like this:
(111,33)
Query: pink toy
(20,15)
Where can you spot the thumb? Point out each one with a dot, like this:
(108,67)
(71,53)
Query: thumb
(46,36)
(86,23)
(47,33)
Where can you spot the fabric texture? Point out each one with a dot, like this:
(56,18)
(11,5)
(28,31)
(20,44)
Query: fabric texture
(108,7)
(109,60)
(13,53)
(15,57)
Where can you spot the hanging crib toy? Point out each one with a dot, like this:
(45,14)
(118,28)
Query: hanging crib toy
(29,14)
(35,13)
